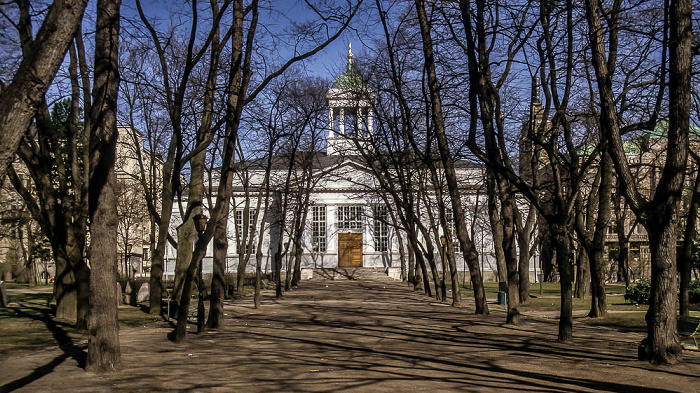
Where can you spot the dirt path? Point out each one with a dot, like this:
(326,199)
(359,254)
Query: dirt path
(352,336)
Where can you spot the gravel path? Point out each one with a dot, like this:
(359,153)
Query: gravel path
(360,336)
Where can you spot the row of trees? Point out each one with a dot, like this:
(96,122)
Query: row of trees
(569,158)
(609,70)
(186,86)
(213,86)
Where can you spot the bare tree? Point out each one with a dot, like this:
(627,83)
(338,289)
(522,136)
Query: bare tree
(657,214)
(177,83)
(55,157)
(237,96)
(417,150)
(555,197)
(104,353)
(41,58)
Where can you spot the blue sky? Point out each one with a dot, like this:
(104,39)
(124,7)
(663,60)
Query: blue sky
(329,63)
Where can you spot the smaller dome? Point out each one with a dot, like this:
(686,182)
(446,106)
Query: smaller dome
(349,80)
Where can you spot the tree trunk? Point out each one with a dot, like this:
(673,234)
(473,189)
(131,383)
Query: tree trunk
(185,240)
(240,271)
(525,253)
(509,251)
(402,251)
(496,225)
(429,255)
(184,302)
(661,346)
(186,231)
(562,243)
(279,225)
(82,281)
(244,245)
(547,251)
(258,278)
(155,287)
(421,268)
(103,329)
(65,290)
(218,280)
(623,271)
(583,275)
(299,232)
(412,279)
(446,250)
(423,273)
(454,278)
(598,300)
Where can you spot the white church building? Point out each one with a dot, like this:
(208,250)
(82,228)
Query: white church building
(347,221)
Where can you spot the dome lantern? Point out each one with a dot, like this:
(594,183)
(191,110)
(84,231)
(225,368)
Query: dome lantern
(350,113)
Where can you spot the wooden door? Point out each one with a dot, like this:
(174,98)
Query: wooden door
(349,249)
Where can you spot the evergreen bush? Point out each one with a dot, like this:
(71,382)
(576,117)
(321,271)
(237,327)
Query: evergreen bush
(639,292)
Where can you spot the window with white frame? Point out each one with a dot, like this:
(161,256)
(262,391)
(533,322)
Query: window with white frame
(318,228)
(381,228)
(350,217)
(247,238)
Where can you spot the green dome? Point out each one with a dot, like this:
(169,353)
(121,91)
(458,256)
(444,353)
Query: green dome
(349,80)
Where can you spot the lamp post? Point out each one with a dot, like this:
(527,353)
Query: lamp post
(128,260)
(200,224)
(443,287)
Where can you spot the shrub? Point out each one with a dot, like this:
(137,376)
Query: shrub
(639,292)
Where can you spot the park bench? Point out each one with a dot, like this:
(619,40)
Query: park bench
(689,326)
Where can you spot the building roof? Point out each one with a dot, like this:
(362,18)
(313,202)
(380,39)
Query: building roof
(660,131)
(640,143)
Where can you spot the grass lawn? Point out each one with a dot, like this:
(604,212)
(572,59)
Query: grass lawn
(622,315)
(28,323)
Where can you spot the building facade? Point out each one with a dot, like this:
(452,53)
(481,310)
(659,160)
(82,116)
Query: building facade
(348,221)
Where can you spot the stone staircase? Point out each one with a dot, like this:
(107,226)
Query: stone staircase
(357,273)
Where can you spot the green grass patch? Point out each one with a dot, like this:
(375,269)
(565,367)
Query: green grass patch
(623,321)
(622,314)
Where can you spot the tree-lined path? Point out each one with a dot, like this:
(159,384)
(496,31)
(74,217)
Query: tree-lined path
(361,336)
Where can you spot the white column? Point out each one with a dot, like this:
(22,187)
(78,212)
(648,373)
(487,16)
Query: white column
(331,133)
(342,121)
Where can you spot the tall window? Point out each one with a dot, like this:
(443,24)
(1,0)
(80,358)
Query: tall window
(248,238)
(350,217)
(381,228)
(318,228)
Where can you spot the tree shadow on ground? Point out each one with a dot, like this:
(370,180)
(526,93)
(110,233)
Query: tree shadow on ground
(64,341)
(357,336)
